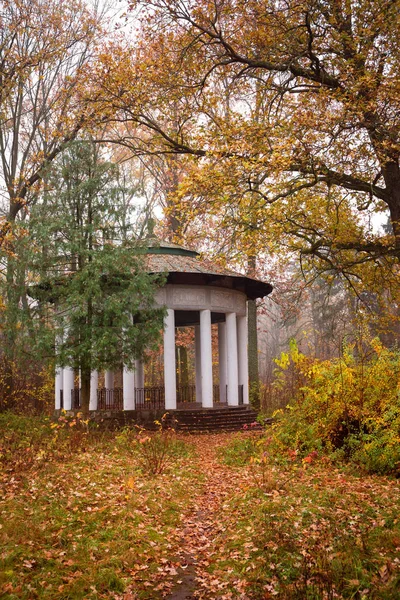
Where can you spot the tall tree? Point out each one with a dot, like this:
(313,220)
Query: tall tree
(44,49)
(330,110)
(90,266)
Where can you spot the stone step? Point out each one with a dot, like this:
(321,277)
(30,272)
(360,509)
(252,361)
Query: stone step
(191,418)
(208,422)
(221,419)
(205,419)
(217,427)
(213,411)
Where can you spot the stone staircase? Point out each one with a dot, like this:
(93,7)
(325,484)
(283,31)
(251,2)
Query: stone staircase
(232,418)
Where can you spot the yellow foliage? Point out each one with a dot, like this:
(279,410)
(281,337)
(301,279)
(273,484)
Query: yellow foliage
(348,406)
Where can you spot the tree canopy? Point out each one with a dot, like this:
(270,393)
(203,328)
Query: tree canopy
(290,110)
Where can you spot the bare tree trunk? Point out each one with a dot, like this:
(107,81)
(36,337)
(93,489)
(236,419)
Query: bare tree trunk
(254,380)
(183,366)
(10,333)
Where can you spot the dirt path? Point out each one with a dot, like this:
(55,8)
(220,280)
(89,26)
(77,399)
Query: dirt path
(202,526)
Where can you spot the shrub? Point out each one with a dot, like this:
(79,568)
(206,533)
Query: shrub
(157,450)
(348,407)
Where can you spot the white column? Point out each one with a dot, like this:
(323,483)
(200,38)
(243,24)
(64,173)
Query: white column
(169,360)
(222,361)
(94,384)
(232,359)
(139,373)
(243,364)
(68,386)
(109,380)
(58,386)
(197,362)
(206,359)
(128,384)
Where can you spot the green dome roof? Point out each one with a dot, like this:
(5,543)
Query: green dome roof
(155,246)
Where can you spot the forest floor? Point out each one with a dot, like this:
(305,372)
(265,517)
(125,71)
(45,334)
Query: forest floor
(132,516)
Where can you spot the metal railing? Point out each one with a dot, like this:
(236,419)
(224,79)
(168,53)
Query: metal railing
(150,398)
(107,399)
(217,394)
(147,398)
(110,399)
(185,394)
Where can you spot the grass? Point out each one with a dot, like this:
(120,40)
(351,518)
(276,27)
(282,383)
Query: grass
(313,531)
(240,450)
(84,515)
(88,523)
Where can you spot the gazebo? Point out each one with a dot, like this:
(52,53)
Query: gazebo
(196,294)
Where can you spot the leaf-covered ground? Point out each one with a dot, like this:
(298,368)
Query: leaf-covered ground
(222,520)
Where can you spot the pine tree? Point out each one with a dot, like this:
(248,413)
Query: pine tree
(91,267)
